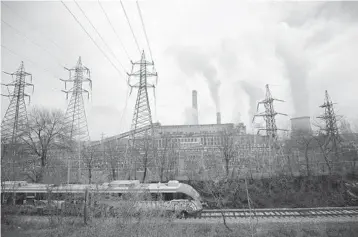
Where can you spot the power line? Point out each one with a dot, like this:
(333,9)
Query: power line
(145,32)
(27,22)
(92,38)
(23,35)
(115,32)
(130,26)
(125,106)
(29,60)
(113,54)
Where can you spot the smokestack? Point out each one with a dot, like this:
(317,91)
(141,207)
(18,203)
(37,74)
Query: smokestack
(195,106)
(301,126)
(218,118)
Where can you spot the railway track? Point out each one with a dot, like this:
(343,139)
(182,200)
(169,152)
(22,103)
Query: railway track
(281,212)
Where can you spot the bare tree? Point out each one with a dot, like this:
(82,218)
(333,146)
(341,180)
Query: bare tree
(305,143)
(227,148)
(147,149)
(344,126)
(143,154)
(89,156)
(327,144)
(113,156)
(222,192)
(46,131)
(165,158)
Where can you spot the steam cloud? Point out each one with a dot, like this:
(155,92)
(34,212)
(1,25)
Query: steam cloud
(255,94)
(190,115)
(192,61)
(296,71)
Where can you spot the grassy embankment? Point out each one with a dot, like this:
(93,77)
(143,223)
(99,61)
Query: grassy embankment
(279,192)
(21,226)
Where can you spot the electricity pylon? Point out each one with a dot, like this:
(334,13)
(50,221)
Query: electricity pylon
(141,140)
(271,128)
(75,118)
(331,131)
(15,121)
(269,116)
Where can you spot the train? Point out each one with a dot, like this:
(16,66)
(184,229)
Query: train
(171,197)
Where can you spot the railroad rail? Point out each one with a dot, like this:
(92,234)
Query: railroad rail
(280,212)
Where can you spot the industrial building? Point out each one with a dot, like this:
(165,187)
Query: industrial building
(197,151)
(198,147)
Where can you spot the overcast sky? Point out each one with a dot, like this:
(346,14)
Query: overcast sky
(226,50)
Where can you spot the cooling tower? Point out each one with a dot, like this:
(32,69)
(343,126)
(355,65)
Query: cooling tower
(195,99)
(218,118)
(195,106)
(301,126)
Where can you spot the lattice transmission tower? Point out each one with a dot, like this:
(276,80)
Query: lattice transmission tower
(141,141)
(15,120)
(331,132)
(271,128)
(269,116)
(75,117)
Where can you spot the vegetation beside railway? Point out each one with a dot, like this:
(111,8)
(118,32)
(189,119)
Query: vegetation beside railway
(229,193)
(277,192)
(166,227)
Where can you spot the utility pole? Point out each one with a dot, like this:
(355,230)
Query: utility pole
(141,140)
(75,118)
(15,122)
(270,119)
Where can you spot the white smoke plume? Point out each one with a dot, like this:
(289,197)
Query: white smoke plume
(190,115)
(193,61)
(292,55)
(255,94)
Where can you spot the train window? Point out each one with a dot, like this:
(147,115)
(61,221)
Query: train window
(40,196)
(155,196)
(9,199)
(182,196)
(168,196)
(30,200)
(20,197)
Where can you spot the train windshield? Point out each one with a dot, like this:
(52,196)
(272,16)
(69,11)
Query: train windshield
(191,192)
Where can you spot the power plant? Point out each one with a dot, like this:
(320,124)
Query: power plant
(196,151)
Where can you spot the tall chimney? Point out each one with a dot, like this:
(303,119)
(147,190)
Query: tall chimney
(218,118)
(195,106)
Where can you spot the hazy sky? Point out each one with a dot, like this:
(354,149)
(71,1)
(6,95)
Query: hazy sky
(226,50)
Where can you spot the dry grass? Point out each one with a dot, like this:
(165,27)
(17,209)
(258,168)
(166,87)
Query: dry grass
(163,227)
